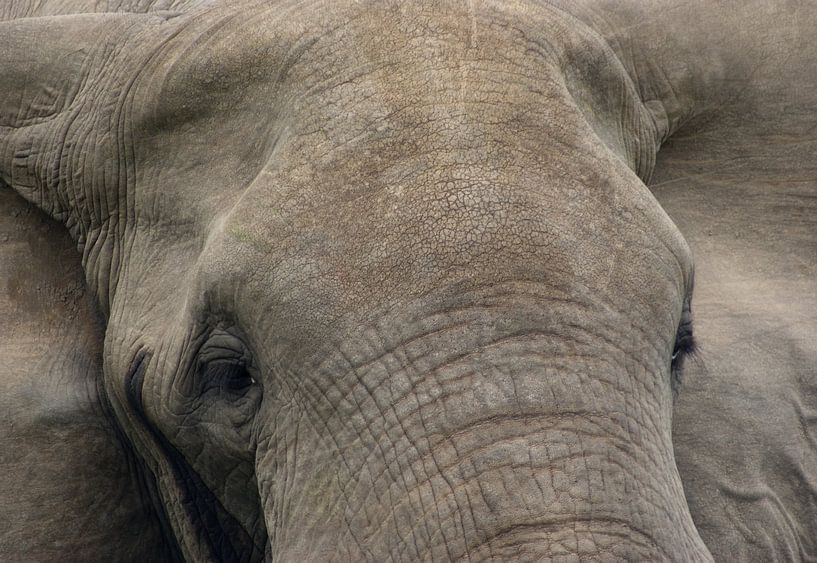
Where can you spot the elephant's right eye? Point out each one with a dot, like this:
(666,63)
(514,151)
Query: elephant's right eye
(223,365)
(229,376)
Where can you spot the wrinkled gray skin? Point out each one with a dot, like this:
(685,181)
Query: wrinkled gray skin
(376,280)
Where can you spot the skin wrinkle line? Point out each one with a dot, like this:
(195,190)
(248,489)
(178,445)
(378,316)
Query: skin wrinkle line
(415,449)
(439,471)
(407,488)
(496,469)
(134,395)
(467,308)
(463,377)
(387,430)
(512,530)
(337,447)
(448,362)
(368,428)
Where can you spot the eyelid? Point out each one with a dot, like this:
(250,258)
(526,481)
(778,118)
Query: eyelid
(223,346)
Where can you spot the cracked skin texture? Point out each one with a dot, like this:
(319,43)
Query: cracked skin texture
(386,280)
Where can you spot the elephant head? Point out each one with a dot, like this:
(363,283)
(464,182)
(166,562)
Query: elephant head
(381,280)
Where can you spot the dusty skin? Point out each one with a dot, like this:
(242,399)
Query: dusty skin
(374,280)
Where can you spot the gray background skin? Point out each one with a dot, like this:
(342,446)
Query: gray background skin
(738,181)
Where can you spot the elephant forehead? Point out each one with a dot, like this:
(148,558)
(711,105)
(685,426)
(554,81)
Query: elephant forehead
(320,104)
(404,210)
(308,262)
(440,147)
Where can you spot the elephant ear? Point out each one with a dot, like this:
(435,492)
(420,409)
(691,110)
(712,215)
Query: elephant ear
(66,104)
(57,73)
(741,184)
(70,488)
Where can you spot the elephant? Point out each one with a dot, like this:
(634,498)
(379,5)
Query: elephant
(378,280)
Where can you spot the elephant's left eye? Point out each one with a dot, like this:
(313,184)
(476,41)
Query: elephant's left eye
(684,344)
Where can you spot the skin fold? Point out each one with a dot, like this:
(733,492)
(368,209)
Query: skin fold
(380,280)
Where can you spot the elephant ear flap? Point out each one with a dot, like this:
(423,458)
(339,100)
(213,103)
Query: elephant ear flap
(51,71)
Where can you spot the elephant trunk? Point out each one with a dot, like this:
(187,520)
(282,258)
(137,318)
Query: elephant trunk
(516,486)
(478,435)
